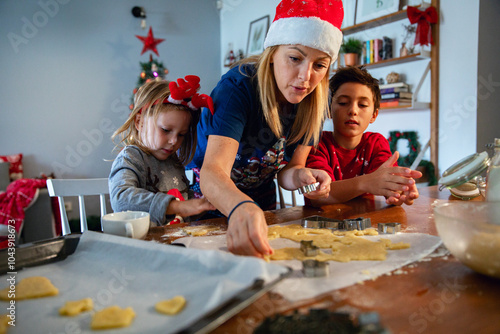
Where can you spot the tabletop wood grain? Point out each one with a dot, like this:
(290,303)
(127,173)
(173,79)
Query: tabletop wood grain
(436,295)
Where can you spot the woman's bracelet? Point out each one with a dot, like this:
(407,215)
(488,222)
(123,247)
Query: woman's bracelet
(237,205)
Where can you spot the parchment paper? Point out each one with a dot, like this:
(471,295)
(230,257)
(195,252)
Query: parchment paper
(297,287)
(119,271)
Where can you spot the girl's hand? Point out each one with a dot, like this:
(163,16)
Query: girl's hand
(247,231)
(190,207)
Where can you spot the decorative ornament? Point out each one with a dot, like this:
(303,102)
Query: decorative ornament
(148,70)
(392,77)
(423,19)
(414,148)
(150,42)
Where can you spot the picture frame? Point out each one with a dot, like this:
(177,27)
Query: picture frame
(349,13)
(256,35)
(371,9)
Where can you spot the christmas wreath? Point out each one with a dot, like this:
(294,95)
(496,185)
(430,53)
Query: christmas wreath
(414,148)
(413,145)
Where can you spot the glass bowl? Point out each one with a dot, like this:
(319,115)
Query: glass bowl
(471,232)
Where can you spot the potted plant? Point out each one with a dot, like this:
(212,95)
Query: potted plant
(351,49)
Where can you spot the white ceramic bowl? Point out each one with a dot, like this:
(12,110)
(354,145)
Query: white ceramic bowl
(471,232)
(131,224)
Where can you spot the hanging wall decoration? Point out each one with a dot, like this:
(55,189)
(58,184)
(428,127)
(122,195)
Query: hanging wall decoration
(150,42)
(423,19)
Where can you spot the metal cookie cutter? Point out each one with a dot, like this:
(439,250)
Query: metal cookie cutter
(314,268)
(308,188)
(389,228)
(357,224)
(322,222)
(307,247)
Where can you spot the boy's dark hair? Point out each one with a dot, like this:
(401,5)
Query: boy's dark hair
(358,75)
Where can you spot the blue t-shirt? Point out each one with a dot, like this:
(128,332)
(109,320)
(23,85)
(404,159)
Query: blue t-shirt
(238,115)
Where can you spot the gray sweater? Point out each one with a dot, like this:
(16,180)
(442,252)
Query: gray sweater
(139,182)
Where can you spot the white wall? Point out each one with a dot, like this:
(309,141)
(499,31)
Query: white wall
(68,77)
(68,85)
(458,53)
(235,18)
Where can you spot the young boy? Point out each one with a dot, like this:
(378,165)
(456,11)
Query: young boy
(359,162)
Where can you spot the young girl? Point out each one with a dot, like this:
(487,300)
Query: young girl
(160,139)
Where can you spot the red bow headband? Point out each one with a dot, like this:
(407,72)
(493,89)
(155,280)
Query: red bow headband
(184,92)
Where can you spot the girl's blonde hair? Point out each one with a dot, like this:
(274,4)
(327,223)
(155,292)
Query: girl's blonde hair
(144,104)
(311,113)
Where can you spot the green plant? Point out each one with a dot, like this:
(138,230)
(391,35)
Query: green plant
(352,45)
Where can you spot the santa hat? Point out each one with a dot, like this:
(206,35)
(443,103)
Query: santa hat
(312,23)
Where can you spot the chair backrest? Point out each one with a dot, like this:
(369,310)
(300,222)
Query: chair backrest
(285,196)
(61,188)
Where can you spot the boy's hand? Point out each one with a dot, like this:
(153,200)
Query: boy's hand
(407,197)
(396,184)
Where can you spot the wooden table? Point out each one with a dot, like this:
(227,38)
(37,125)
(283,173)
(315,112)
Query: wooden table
(439,295)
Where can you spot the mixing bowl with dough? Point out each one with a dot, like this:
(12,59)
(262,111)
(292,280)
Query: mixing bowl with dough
(471,232)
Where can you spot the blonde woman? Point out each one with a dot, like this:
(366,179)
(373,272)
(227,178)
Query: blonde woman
(269,111)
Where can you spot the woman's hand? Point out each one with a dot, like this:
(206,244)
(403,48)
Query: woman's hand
(247,227)
(309,176)
(296,175)
(247,231)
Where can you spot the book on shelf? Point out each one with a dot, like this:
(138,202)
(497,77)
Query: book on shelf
(396,95)
(372,48)
(378,51)
(368,47)
(394,84)
(395,103)
(394,90)
(363,53)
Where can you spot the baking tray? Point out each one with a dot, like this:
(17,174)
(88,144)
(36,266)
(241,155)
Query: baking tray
(39,252)
(57,249)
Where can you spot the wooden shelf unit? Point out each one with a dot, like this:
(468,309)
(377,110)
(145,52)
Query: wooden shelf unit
(433,68)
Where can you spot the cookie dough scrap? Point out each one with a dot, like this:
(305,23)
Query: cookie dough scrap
(171,306)
(4,323)
(73,308)
(197,231)
(112,317)
(31,287)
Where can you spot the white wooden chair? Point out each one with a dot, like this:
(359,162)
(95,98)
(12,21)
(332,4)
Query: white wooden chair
(61,188)
(288,197)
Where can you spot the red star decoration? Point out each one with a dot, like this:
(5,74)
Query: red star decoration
(150,42)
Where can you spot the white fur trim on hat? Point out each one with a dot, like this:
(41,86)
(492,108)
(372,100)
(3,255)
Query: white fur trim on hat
(308,31)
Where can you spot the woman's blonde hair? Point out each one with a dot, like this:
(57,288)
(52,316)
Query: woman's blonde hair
(148,103)
(311,113)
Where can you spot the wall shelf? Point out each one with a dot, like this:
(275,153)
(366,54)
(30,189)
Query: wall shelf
(416,106)
(399,60)
(393,17)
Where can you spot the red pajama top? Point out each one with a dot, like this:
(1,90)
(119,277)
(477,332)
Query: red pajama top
(340,163)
